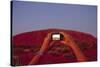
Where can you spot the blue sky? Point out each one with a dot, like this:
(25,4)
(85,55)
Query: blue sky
(30,16)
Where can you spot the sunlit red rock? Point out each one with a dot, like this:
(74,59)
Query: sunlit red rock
(26,45)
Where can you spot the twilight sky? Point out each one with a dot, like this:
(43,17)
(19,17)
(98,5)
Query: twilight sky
(30,16)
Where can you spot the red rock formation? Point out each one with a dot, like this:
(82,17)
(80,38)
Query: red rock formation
(26,45)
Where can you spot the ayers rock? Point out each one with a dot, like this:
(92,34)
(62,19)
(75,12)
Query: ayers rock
(25,46)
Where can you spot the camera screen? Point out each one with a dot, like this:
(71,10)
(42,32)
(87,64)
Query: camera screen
(56,37)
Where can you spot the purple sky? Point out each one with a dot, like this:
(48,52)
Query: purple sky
(30,16)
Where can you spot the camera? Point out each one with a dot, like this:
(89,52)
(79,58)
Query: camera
(57,36)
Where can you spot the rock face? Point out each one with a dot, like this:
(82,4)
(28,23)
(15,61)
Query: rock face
(26,45)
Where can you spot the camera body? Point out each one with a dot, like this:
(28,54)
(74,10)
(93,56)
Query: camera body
(57,36)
